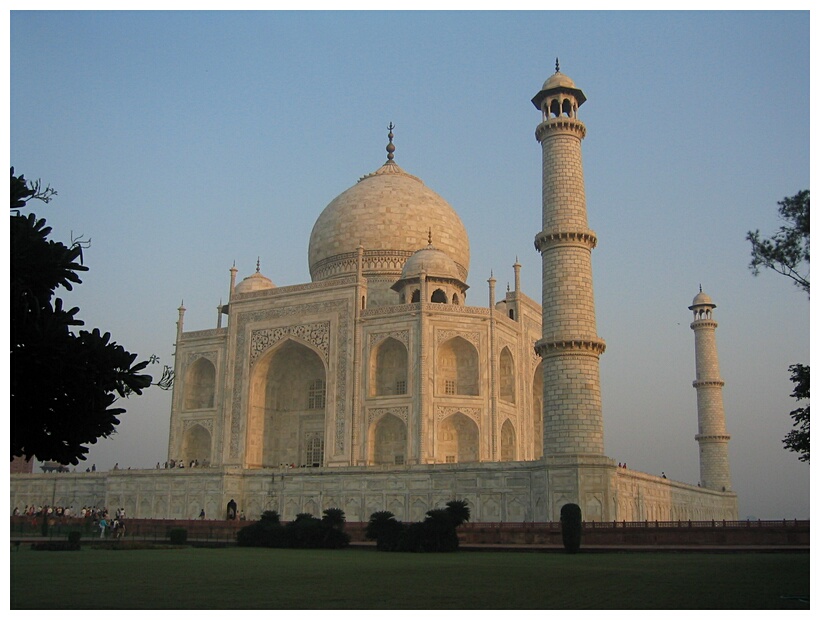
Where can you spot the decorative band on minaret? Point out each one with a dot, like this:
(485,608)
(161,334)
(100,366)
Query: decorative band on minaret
(570,347)
(713,441)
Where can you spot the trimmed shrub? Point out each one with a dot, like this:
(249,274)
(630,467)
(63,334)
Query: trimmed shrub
(178,536)
(305,532)
(385,530)
(571,527)
(74,537)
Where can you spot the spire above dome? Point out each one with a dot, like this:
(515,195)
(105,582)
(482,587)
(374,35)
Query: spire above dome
(254,282)
(391,148)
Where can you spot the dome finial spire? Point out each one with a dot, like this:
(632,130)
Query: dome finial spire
(556,65)
(390,146)
(257,264)
(429,236)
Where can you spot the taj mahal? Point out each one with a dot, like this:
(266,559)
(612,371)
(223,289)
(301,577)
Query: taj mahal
(380,386)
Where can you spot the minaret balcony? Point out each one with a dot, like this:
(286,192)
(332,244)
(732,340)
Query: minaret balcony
(560,124)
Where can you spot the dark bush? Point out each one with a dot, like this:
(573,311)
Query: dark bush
(385,530)
(74,537)
(304,532)
(178,535)
(267,532)
(571,527)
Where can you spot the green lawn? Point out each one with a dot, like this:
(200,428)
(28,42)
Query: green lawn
(242,578)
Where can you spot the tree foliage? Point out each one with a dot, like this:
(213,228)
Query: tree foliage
(63,384)
(797,440)
(787,251)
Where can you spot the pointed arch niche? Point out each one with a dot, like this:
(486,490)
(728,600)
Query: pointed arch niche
(387,439)
(457,440)
(196,445)
(508,451)
(200,385)
(538,411)
(388,368)
(507,374)
(457,368)
(286,413)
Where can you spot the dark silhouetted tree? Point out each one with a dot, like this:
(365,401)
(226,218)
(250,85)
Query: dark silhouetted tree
(787,251)
(63,385)
(798,439)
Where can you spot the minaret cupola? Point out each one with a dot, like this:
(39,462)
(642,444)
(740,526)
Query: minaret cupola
(559,97)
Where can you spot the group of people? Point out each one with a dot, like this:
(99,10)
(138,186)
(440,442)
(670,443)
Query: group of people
(180,464)
(115,526)
(98,517)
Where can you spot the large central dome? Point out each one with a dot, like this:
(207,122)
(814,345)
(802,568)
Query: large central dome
(390,214)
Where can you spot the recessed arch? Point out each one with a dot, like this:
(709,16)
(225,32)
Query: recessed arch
(196,445)
(457,368)
(438,297)
(286,417)
(508,444)
(200,385)
(457,440)
(387,439)
(506,365)
(537,411)
(388,368)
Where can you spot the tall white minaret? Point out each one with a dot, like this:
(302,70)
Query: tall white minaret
(570,347)
(712,437)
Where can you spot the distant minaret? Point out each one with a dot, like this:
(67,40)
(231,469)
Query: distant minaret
(570,347)
(712,438)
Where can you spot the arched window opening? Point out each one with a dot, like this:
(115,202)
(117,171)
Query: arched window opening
(455,299)
(439,297)
(555,108)
(416,297)
(316,394)
(567,108)
(512,314)
(314,450)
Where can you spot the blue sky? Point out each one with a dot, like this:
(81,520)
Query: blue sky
(182,142)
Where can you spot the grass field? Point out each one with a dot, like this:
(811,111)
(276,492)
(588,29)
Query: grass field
(243,578)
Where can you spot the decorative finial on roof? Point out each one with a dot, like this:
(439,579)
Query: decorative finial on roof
(390,146)
(700,286)
(556,65)
(257,264)
(429,236)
